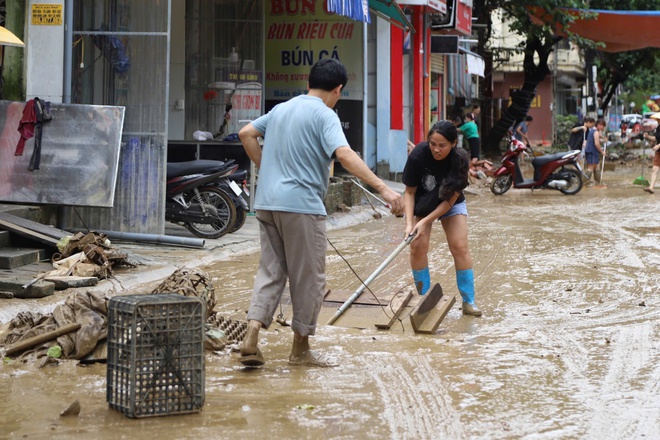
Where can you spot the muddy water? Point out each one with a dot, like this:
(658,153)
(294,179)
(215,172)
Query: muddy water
(568,347)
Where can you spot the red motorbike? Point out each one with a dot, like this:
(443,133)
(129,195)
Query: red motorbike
(560,171)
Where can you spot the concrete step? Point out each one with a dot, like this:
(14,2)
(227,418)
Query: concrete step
(11,258)
(4,239)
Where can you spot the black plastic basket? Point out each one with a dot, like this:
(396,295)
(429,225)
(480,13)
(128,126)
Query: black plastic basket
(155,354)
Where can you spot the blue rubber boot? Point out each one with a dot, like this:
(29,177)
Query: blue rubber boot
(465,282)
(422,280)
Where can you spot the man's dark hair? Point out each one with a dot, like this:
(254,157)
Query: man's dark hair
(589,119)
(475,106)
(327,74)
(528,118)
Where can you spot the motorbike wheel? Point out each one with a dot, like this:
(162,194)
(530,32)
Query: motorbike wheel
(241,216)
(574,180)
(501,184)
(217,203)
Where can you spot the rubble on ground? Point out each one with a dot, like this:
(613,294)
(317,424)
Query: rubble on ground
(77,329)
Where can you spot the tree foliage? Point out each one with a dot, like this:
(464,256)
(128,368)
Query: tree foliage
(537,42)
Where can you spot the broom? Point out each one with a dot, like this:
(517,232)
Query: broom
(641,180)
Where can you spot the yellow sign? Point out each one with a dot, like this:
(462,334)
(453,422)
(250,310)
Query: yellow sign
(47,14)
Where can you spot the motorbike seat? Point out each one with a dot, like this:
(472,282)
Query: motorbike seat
(238,175)
(175,169)
(542,160)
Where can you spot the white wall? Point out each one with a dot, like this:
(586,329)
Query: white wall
(44,55)
(176,121)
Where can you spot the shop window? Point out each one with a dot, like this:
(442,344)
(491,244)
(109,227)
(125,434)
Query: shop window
(224,65)
(119,53)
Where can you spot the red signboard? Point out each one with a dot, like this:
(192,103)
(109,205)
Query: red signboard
(464,16)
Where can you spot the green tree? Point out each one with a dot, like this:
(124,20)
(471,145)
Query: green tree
(538,41)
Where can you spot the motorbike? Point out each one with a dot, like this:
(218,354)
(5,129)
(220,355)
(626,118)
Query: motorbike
(560,171)
(195,200)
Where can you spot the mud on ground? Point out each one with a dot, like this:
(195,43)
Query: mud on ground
(568,346)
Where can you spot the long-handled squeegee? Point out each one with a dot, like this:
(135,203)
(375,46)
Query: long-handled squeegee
(366,282)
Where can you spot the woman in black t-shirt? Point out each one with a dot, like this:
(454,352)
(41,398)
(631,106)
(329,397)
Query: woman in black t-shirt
(435,175)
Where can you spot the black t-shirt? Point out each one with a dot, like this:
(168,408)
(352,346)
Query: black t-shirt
(577,138)
(428,176)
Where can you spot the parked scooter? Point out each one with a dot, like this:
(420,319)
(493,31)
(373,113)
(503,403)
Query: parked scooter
(560,171)
(194,199)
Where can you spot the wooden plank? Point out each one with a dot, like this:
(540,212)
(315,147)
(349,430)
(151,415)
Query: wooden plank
(430,312)
(397,305)
(70,281)
(25,344)
(25,232)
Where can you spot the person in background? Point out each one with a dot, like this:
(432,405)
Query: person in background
(410,145)
(476,111)
(594,150)
(645,107)
(521,130)
(656,159)
(435,175)
(302,136)
(578,139)
(471,132)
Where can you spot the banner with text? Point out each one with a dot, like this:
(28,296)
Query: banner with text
(301,32)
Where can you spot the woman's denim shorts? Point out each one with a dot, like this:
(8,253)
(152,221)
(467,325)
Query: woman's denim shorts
(457,209)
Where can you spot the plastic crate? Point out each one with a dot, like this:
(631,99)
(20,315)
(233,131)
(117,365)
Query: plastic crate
(155,354)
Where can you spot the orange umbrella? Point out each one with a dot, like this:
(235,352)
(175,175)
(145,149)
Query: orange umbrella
(9,39)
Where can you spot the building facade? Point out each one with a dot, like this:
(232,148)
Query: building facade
(182,67)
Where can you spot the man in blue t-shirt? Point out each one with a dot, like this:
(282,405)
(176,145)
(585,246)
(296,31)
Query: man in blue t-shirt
(302,136)
(521,130)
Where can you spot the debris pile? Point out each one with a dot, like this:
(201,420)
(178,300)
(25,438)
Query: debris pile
(78,330)
(88,255)
(76,327)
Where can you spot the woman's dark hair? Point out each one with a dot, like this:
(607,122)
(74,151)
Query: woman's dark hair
(327,74)
(445,128)
(458,176)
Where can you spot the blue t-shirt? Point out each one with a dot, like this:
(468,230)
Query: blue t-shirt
(300,137)
(523,128)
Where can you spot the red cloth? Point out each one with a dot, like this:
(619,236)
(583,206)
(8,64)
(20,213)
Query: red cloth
(26,126)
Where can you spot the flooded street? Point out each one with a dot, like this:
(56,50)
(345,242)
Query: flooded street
(568,347)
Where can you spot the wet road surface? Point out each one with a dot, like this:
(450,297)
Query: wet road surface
(568,348)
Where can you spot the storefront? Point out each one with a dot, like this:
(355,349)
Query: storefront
(204,68)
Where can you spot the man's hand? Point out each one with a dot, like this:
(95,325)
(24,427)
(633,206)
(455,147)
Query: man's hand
(394,199)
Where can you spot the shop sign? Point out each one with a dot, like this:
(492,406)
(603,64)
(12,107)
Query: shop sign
(47,14)
(464,16)
(437,5)
(296,40)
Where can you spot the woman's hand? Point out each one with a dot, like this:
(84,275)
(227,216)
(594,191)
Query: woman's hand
(417,230)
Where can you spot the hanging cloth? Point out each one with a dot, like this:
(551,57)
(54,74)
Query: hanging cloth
(26,126)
